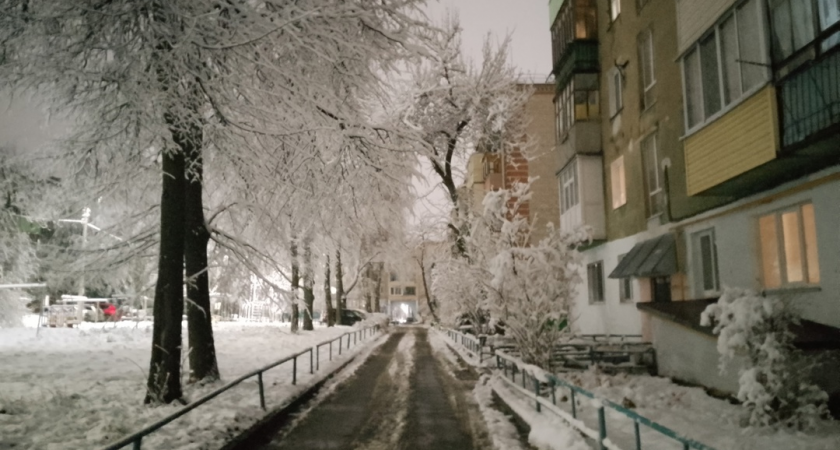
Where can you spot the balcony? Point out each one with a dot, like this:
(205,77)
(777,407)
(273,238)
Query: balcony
(583,138)
(809,102)
(580,56)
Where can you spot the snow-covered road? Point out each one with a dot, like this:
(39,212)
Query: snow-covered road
(403,397)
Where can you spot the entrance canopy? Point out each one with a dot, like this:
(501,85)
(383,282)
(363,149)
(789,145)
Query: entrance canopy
(656,257)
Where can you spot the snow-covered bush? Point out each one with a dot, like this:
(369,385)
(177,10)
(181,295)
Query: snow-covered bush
(774,383)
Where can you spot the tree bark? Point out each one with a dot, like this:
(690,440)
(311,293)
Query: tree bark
(328,294)
(308,287)
(429,301)
(203,365)
(295,285)
(377,287)
(368,282)
(164,383)
(340,301)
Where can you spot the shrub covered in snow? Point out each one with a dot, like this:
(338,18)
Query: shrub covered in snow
(774,384)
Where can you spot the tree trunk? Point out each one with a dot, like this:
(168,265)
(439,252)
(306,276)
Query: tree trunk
(340,304)
(308,287)
(328,294)
(203,366)
(164,383)
(377,287)
(295,285)
(366,287)
(429,301)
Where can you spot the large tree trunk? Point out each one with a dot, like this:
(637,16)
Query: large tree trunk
(340,304)
(164,383)
(308,287)
(328,294)
(203,366)
(368,283)
(377,287)
(429,301)
(295,285)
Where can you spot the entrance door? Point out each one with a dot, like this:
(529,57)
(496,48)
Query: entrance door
(661,287)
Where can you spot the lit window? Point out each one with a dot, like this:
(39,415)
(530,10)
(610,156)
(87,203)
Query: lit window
(595,278)
(706,272)
(653,178)
(615,9)
(625,286)
(789,247)
(618,182)
(646,67)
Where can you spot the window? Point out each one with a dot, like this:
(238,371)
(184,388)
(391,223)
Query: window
(829,15)
(789,247)
(595,278)
(396,291)
(618,182)
(706,265)
(646,67)
(568,187)
(625,286)
(726,64)
(579,100)
(410,290)
(615,88)
(576,20)
(615,9)
(793,26)
(393,276)
(653,178)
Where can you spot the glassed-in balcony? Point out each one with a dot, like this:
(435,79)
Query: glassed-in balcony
(574,37)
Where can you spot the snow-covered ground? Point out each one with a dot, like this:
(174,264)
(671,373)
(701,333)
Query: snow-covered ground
(686,410)
(84,387)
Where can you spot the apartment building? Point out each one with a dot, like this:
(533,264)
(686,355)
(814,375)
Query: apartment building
(700,143)
(491,171)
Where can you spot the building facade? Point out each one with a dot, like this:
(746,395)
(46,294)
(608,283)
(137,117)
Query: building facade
(704,139)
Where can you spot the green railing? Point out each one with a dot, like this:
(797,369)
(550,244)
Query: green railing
(510,367)
(136,438)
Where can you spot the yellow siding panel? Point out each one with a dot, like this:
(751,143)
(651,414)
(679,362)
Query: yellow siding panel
(742,139)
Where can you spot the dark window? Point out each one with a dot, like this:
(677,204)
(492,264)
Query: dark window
(595,277)
(410,290)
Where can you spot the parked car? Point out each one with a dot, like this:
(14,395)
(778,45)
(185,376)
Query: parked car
(348,317)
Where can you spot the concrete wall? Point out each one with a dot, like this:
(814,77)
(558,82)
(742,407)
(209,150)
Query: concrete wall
(691,356)
(736,235)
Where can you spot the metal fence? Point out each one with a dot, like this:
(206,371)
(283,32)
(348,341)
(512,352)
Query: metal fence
(353,337)
(543,393)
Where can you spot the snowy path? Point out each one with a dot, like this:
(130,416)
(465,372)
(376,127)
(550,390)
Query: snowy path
(403,397)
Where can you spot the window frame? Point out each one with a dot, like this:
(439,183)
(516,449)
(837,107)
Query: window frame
(618,171)
(595,269)
(781,251)
(569,183)
(625,286)
(406,289)
(655,196)
(645,46)
(615,88)
(699,274)
(695,49)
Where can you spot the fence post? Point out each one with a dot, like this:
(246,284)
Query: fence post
(553,394)
(639,435)
(537,393)
(294,369)
(340,344)
(311,362)
(331,350)
(348,342)
(602,428)
(574,403)
(318,357)
(136,445)
(262,391)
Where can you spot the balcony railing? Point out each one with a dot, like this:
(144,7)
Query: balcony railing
(809,100)
(580,56)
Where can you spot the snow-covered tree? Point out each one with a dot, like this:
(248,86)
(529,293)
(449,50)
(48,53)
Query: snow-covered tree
(774,383)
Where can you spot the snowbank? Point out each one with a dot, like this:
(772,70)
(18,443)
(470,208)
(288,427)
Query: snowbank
(82,388)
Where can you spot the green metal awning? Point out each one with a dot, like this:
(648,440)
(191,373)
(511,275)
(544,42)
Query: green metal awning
(656,257)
